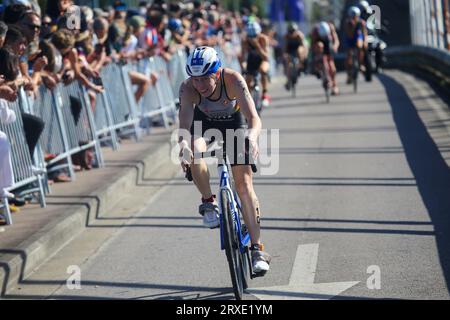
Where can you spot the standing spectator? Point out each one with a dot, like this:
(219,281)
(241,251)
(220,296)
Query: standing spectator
(3,30)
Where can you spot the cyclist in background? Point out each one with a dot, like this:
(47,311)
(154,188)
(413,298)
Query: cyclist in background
(356,39)
(294,46)
(325,43)
(219,99)
(256,48)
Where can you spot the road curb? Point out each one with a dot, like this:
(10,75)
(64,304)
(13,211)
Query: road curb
(17,264)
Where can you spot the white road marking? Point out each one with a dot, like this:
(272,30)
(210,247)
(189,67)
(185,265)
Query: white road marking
(301,283)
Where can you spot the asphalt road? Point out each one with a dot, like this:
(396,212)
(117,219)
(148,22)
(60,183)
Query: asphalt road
(364,181)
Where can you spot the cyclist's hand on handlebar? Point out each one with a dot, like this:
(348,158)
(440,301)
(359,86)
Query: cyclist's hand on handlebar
(186,156)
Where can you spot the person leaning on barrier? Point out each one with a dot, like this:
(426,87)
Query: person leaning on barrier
(131,51)
(64,41)
(54,66)
(33,126)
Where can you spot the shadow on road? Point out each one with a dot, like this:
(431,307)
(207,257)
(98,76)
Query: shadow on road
(427,164)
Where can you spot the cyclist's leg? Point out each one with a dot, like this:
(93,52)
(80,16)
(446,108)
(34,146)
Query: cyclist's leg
(318,52)
(302,53)
(287,70)
(142,82)
(243,179)
(349,64)
(199,169)
(200,175)
(264,70)
(332,68)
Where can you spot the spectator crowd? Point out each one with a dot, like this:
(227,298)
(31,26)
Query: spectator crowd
(64,42)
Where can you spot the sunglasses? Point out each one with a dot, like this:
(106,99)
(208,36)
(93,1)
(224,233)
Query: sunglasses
(33,26)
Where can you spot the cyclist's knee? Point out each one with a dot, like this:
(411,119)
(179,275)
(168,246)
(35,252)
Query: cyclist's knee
(198,144)
(264,68)
(244,187)
(318,48)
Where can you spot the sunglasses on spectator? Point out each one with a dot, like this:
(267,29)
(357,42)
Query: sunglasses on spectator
(33,26)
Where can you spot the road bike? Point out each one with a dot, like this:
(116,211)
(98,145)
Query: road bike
(355,69)
(293,73)
(324,74)
(234,236)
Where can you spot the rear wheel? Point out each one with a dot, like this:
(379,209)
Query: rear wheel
(355,72)
(232,251)
(293,79)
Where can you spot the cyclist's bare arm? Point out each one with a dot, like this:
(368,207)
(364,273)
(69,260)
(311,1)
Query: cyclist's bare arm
(335,38)
(187,96)
(237,88)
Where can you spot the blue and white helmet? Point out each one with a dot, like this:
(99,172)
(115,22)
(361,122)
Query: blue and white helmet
(202,61)
(324,30)
(354,11)
(253,29)
(364,6)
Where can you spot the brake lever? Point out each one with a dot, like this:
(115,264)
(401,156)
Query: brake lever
(188,175)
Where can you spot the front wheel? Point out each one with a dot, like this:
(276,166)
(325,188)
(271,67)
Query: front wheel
(368,60)
(232,250)
(256,94)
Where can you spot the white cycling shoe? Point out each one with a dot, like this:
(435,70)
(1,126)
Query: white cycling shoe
(260,261)
(210,213)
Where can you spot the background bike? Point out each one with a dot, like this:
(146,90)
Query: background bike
(292,74)
(255,91)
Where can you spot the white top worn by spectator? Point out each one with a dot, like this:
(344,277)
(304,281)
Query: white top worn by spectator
(132,44)
(7,115)
(6,172)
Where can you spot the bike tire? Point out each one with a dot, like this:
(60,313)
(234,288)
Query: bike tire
(231,245)
(293,79)
(369,67)
(245,257)
(355,72)
(256,95)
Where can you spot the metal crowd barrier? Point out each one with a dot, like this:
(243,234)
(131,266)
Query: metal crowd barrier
(228,56)
(24,173)
(177,71)
(159,99)
(69,126)
(73,125)
(120,99)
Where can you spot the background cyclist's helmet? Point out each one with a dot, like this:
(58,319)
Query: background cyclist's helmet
(253,29)
(174,24)
(292,27)
(365,7)
(354,12)
(202,61)
(324,30)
